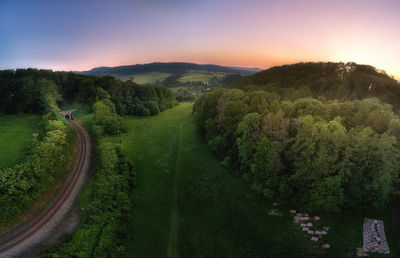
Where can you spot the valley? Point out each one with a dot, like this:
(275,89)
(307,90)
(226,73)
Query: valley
(187,204)
(218,176)
(197,129)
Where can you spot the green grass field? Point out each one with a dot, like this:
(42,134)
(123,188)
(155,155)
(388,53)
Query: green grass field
(186,204)
(202,76)
(15,136)
(176,89)
(154,77)
(144,78)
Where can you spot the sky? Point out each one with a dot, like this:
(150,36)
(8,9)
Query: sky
(80,35)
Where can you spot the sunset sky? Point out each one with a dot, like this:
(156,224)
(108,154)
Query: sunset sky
(79,35)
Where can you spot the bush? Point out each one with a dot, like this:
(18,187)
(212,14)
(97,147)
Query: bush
(105,120)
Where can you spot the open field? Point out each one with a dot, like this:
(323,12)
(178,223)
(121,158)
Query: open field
(202,76)
(176,89)
(144,78)
(15,136)
(157,77)
(186,204)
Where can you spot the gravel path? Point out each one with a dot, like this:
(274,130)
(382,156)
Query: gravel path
(58,218)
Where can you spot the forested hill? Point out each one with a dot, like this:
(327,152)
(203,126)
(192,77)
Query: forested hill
(332,80)
(173,67)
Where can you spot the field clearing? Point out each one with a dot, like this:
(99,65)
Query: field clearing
(157,77)
(15,136)
(202,76)
(186,204)
(176,89)
(144,78)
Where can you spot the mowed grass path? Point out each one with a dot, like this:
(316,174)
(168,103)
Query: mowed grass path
(15,136)
(186,204)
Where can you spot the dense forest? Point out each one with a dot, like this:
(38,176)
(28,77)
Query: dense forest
(309,148)
(23,91)
(326,80)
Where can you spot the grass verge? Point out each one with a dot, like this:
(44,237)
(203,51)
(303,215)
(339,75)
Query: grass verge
(15,136)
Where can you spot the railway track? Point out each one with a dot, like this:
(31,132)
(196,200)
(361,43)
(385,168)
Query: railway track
(29,229)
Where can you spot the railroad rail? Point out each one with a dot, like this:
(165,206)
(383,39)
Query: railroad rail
(28,229)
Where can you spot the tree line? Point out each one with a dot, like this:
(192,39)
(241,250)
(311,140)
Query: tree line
(22,184)
(22,91)
(325,80)
(315,154)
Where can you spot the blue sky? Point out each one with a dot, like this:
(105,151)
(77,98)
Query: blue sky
(79,35)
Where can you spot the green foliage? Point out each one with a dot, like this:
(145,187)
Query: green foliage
(206,108)
(217,214)
(331,80)
(107,211)
(248,131)
(106,122)
(33,91)
(21,184)
(232,108)
(316,154)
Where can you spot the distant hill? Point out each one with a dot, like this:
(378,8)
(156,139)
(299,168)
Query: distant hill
(331,80)
(188,79)
(173,67)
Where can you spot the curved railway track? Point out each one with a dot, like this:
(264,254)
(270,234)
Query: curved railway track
(29,229)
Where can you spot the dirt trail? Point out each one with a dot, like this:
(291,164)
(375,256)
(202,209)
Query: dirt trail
(27,239)
(172,251)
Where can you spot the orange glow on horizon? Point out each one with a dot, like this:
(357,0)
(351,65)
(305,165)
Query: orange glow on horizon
(251,33)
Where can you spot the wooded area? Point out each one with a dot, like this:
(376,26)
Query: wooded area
(22,91)
(21,184)
(41,91)
(317,154)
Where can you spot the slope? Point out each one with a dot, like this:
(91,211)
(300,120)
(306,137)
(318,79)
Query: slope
(331,80)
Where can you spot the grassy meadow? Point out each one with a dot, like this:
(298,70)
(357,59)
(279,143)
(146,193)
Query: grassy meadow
(15,136)
(202,76)
(144,78)
(157,77)
(186,204)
